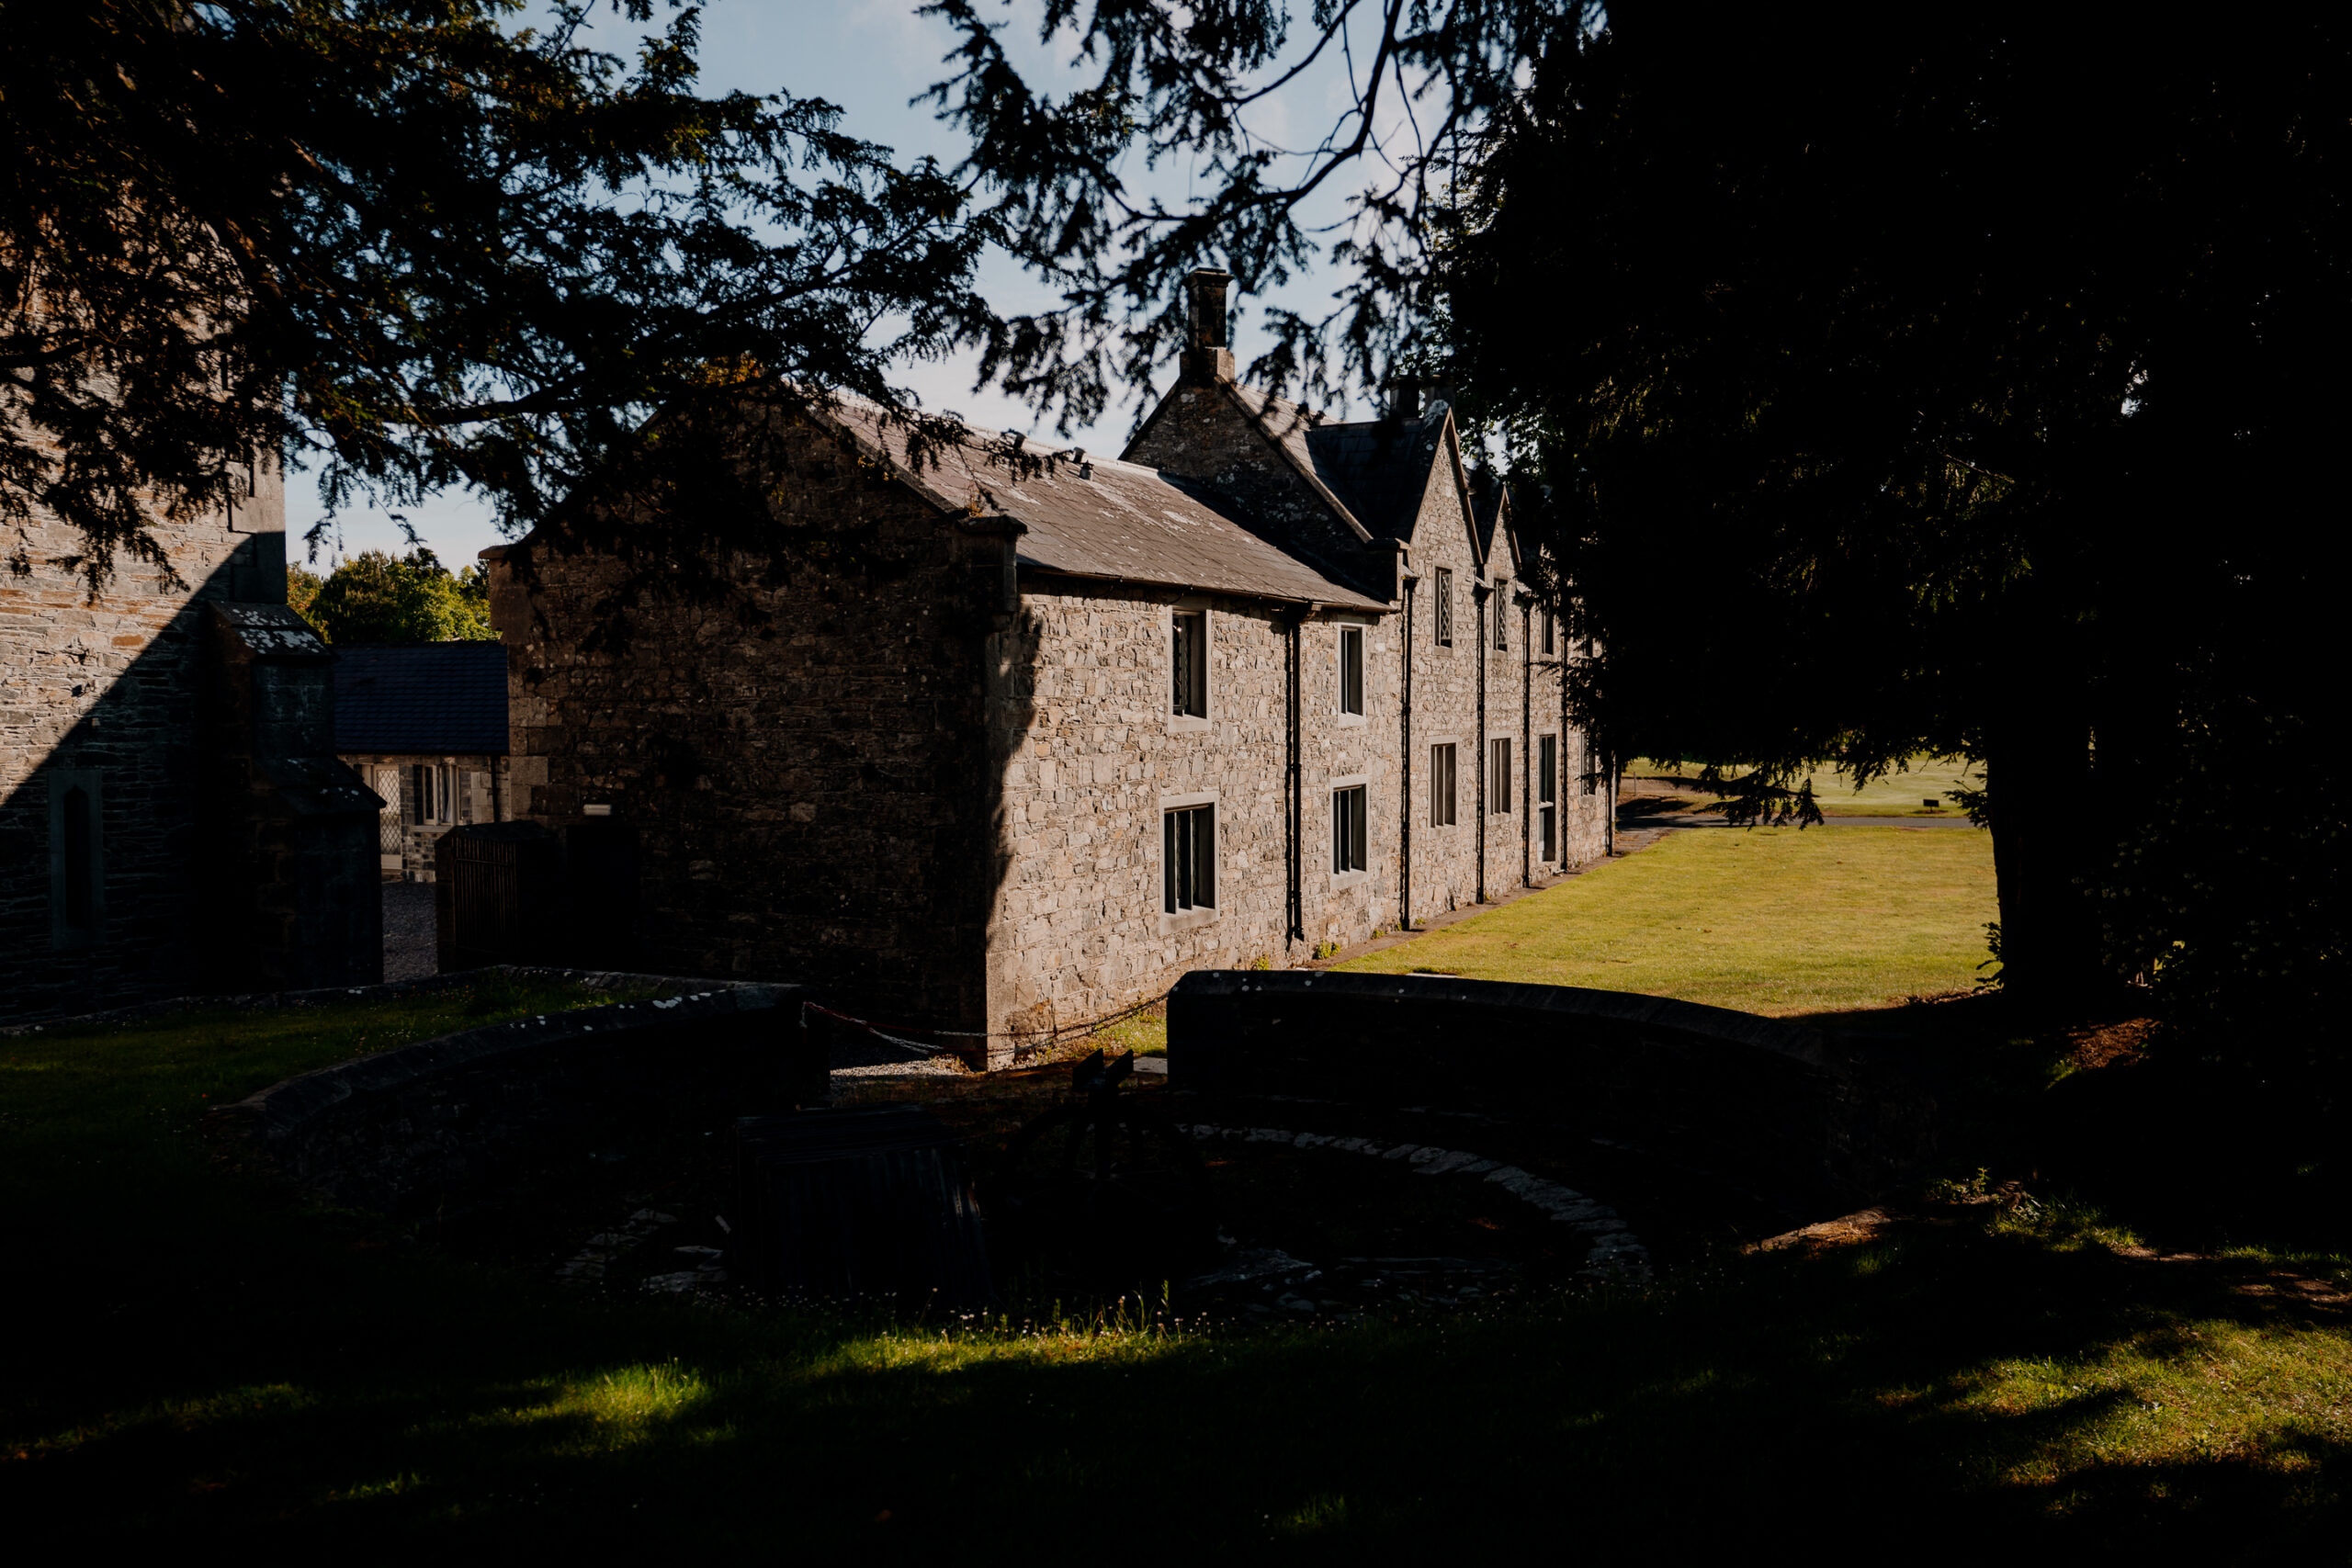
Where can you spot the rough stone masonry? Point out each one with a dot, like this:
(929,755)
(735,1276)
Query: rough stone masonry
(952,757)
(172,819)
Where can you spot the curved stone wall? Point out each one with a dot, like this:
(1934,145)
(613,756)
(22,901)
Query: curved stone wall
(1780,1103)
(427,1125)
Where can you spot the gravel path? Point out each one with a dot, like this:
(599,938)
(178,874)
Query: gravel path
(408,951)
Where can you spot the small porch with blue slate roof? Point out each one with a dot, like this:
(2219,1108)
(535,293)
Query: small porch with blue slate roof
(425,724)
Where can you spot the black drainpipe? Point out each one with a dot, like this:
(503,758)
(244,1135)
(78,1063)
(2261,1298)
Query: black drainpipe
(1526,744)
(1561,633)
(1404,792)
(1608,843)
(1479,815)
(1297,904)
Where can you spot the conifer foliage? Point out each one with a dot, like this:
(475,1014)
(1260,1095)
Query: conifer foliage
(1980,381)
(417,244)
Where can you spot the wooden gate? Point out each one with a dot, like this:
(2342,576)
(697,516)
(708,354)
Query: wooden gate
(498,895)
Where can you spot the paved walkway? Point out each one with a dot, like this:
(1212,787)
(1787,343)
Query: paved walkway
(1701,819)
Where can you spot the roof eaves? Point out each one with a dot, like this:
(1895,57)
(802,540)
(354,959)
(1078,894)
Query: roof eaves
(1338,598)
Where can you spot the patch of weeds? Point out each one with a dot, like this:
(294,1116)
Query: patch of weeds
(1967,1190)
(2061,1221)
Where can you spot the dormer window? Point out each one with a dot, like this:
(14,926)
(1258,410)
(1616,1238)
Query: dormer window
(1443,615)
(1502,617)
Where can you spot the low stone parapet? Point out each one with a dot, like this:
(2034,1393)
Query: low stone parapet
(1787,1108)
(433,1124)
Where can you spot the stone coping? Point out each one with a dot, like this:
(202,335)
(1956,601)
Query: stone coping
(283,1109)
(390,990)
(1628,1009)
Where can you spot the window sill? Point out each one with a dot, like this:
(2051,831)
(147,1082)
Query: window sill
(1352,721)
(1186,724)
(1343,880)
(1185,921)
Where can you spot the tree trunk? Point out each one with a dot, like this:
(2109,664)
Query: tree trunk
(2047,835)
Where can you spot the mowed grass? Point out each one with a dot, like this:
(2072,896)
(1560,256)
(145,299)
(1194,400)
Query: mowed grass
(1901,794)
(68,1087)
(192,1357)
(1773,920)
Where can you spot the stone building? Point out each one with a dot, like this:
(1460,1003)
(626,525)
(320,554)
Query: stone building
(425,723)
(171,816)
(1045,740)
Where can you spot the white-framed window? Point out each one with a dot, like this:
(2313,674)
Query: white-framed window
(429,784)
(1349,835)
(385,780)
(1441,610)
(1442,774)
(1188,664)
(1351,670)
(1547,796)
(1498,775)
(1188,858)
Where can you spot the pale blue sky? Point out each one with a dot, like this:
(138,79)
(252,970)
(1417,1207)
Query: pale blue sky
(870,57)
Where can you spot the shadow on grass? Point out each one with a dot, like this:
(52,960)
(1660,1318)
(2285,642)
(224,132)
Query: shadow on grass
(189,1355)
(1946,1383)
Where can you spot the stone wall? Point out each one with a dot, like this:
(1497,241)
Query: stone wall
(289,892)
(800,768)
(106,694)
(1082,928)
(431,1126)
(1794,1117)
(897,770)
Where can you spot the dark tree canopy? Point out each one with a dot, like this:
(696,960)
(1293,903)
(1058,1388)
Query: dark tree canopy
(418,246)
(1876,381)
(1980,381)
(1165,86)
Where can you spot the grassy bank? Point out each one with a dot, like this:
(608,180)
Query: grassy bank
(1773,920)
(192,1356)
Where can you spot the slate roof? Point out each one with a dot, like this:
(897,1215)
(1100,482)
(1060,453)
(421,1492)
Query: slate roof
(432,698)
(1380,467)
(1104,519)
(1374,472)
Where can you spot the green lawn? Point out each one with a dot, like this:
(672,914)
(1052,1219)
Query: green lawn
(1773,920)
(1903,793)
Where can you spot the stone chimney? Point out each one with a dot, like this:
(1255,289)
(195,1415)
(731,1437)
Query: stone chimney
(1208,356)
